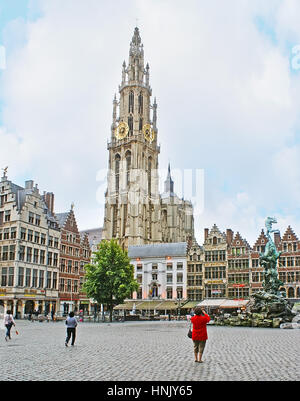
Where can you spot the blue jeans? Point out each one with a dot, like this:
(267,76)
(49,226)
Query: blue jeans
(8,328)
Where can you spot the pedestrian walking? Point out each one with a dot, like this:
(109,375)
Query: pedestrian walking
(199,333)
(8,323)
(71,323)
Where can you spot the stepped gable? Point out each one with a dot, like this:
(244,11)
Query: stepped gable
(261,240)
(239,241)
(288,240)
(289,235)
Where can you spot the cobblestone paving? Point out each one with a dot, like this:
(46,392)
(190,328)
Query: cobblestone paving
(148,351)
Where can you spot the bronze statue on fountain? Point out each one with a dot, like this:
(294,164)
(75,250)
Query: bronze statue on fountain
(270,301)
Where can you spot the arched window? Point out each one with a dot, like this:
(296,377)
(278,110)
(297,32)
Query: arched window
(149,175)
(128,166)
(131,102)
(140,103)
(140,124)
(117,171)
(291,292)
(130,124)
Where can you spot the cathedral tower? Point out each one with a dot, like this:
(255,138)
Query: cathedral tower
(132,201)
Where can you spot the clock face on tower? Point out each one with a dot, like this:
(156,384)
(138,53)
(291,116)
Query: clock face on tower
(148,133)
(122,130)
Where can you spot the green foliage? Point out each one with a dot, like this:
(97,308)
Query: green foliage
(110,278)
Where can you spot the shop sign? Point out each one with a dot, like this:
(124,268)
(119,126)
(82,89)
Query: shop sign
(238,285)
(214,281)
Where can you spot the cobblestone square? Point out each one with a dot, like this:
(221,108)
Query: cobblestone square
(148,351)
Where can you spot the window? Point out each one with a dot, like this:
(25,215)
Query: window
(179,292)
(130,124)
(179,277)
(30,235)
(7,215)
(34,278)
(6,233)
(37,220)
(21,276)
(54,281)
(41,279)
(179,266)
(21,253)
(35,256)
(12,251)
(62,265)
(36,237)
(169,292)
(140,103)
(28,278)
(49,263)
(149,175)
(55,259)
(4,277)
(48,279)
(42,257)
(29,255)
(169,278)
(31,218)
(62,284)
(117,171)
(5,253)
(69,266)
(131,102)
(128,167)
(13,233)
(43,239)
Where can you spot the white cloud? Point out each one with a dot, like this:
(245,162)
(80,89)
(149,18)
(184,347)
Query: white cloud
(227,101)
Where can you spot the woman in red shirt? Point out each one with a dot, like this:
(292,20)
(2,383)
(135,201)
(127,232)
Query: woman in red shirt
(199,334)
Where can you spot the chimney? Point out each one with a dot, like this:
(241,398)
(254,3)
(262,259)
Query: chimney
(205,233)
(277,239)
(49,200)
(229,236)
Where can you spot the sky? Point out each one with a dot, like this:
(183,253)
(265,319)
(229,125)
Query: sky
(226,76)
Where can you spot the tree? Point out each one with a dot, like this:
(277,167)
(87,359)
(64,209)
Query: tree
(109,278)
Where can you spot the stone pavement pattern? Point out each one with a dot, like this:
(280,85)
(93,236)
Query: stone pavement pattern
(148,351)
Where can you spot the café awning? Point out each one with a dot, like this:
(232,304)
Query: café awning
(190,305)
(234,303)
(148,305)
(167,305)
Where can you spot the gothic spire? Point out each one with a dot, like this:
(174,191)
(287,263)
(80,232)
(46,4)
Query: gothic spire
(169,183)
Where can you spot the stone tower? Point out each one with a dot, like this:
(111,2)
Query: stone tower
(132,201)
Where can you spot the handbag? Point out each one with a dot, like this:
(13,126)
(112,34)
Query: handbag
(190,333)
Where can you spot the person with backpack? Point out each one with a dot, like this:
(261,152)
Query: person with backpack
(71,323)
(199,333)
(8,323)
